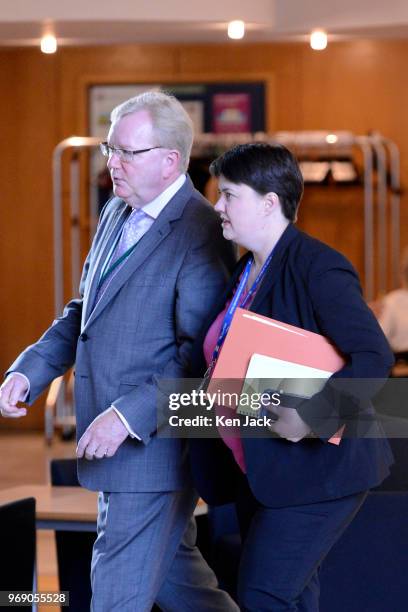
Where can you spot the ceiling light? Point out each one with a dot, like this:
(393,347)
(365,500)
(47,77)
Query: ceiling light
(236,29)
(48,43)
(318,40)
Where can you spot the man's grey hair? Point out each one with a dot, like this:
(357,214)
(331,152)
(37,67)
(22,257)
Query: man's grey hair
(172,127)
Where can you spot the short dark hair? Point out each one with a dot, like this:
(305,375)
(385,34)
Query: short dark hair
(265,168)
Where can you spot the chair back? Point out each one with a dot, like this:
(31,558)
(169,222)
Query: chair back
(64,473)
(18,545)
(366,569)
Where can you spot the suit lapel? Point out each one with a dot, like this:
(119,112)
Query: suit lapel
(145,247)
(107,240)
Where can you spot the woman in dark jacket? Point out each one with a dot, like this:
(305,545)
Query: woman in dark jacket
(294,492)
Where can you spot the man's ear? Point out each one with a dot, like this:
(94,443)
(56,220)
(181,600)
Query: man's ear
(171,162)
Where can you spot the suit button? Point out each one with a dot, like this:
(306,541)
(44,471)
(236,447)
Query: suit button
(84,337)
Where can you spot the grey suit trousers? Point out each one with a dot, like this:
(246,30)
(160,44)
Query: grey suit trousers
(145,552)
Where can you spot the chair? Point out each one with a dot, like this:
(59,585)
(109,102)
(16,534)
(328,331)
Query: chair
(18,546)
(74,548)
(366,569)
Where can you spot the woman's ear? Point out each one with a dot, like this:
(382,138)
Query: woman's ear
(271,202)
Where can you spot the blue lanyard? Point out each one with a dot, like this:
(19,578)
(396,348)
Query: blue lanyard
(235,302)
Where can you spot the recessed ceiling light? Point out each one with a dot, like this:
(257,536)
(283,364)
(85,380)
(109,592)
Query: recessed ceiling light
(48,43)
(318,40)
(236,29)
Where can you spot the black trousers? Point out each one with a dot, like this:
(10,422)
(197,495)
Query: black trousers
(283,549)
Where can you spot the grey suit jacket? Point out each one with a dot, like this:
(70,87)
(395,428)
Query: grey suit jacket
(141,330)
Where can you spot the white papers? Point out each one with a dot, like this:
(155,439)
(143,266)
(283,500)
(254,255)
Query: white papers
(279,376)
(263,366)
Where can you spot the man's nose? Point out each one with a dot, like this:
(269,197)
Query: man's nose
(113,161)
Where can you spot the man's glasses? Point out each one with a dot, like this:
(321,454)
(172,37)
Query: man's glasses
(123,154)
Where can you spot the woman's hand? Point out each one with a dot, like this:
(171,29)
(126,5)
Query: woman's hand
(289,425)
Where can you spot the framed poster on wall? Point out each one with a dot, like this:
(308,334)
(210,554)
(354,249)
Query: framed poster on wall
(231,113)
(225,108)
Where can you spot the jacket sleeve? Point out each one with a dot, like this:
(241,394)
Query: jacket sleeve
(344,318)
(55,351)
(201,280)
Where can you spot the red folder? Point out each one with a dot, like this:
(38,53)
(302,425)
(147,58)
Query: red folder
(251,333)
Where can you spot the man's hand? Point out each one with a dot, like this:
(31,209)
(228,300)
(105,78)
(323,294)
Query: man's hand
(13,390)
(103,436)
(289,424)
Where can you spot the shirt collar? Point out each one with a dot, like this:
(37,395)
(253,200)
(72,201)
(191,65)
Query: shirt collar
(154,208)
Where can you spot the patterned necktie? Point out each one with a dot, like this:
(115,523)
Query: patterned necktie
(133,229)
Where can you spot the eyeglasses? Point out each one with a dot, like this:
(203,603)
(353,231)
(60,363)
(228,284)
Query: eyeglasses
(124,155)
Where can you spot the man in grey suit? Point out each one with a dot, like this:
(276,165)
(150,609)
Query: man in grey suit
(156,266)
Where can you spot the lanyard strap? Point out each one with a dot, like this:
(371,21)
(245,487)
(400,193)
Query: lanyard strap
(235,302)
(115,264)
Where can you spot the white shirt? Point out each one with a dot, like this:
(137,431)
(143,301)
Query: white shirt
(154,208)
(394,319)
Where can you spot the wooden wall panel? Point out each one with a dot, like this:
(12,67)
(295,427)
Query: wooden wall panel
(356,85)
(28,96)
(9,268)
(278,62)
(326,214)
(126,64)
(359,86)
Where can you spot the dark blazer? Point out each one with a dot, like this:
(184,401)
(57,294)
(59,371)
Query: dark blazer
(310,285)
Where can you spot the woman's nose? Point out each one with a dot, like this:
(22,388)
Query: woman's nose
(219,206)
